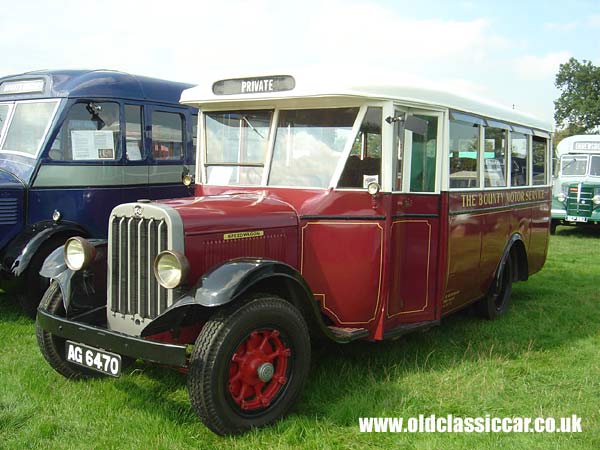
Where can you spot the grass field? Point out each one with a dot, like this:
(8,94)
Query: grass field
(541,359)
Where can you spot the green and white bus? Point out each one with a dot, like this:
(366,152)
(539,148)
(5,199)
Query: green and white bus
(576,191)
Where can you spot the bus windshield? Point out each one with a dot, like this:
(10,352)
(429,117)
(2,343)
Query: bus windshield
(28,126)
(574,165)
(236,146)
(308,144)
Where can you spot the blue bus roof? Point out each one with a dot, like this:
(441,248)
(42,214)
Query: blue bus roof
(97,83)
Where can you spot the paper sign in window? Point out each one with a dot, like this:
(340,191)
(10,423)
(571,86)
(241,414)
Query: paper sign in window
(87,144)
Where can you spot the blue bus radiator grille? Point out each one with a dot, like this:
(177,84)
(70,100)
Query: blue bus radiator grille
(8,211)
(135,243)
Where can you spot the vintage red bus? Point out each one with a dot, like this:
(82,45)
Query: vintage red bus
(322,211)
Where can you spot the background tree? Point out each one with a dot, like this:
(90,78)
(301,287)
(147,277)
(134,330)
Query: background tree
(577,110)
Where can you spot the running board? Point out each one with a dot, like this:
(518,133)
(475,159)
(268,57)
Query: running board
(349,334)
(406,328)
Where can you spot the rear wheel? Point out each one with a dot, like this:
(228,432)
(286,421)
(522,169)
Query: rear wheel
(249,365)
(53,347)
(496,302)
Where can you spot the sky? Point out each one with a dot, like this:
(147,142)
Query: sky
(506,51)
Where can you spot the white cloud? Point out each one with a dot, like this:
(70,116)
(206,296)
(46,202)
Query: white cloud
(533,67)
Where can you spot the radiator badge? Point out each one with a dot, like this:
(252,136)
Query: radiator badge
(138,211)
(243,235)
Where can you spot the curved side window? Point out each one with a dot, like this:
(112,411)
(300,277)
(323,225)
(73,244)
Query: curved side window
(91,132)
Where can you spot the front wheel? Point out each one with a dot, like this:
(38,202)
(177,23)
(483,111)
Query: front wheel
(249,365)
(496,302)
(52,346)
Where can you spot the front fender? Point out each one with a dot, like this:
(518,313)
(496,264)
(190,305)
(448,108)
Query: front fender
(21,250)
(228,282)
(82,290)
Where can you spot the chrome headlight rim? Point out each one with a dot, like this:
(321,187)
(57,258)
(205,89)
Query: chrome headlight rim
(562,197)
(179,264)
(78,253)
(596,199)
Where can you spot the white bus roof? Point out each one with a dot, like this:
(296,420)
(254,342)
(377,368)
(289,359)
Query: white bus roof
(580,143)
(419,94)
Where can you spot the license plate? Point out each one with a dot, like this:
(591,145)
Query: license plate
(93,358)
(576,219)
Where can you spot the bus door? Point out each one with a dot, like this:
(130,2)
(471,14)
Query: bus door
(169,137)
(414,218)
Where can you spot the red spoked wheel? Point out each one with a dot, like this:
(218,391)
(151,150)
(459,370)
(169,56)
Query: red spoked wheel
(258,370)
(249,365)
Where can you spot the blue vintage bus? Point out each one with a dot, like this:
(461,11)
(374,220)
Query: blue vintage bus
(73,145)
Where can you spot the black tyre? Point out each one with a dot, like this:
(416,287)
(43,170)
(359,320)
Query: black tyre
(553,225)
(496,302)
(249,365)
(35,284)
(53,347)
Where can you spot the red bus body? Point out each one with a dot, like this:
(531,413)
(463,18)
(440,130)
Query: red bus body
(341,214)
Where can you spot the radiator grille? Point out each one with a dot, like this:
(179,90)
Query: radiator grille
(579,202)
(135,242)
(8,211)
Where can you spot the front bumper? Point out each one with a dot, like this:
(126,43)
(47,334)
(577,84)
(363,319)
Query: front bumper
(135,347)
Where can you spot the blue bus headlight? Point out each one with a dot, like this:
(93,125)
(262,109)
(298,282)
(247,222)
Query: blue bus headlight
(171,269)
(79,253)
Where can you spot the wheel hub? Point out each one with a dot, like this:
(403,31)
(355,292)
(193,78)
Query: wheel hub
(258,370)
(265,372)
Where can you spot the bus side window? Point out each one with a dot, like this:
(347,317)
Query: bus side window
(540,163)
(364,163)
(134,143)
(519,157)
(423,157)
(464,155)
(494,156)
(90,132)
(167,136)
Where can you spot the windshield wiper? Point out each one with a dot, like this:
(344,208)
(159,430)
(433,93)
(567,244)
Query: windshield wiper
(251,127)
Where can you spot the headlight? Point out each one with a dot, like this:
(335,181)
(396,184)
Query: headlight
(171,269)
(561,197)
(596,199)
(79,253)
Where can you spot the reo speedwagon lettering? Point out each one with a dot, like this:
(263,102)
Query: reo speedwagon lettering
(360,212)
